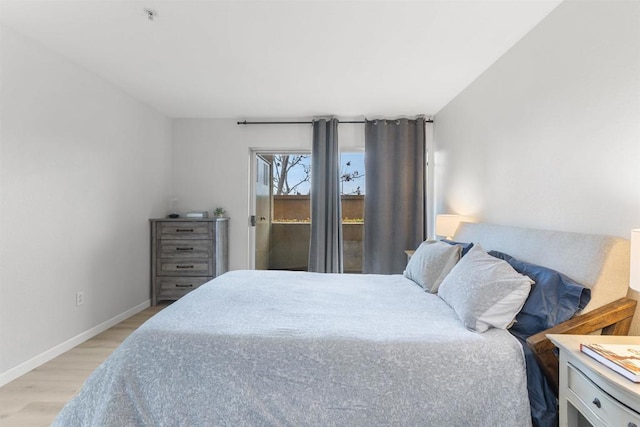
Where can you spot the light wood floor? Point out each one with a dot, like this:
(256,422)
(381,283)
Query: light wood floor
(35,398)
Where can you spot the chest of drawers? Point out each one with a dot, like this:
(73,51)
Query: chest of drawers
(185,253)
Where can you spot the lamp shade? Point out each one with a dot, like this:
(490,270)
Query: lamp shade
(446,224)
(634,277)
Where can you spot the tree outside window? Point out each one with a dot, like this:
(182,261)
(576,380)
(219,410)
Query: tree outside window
(292,174)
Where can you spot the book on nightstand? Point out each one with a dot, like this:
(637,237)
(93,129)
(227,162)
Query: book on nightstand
(622,358)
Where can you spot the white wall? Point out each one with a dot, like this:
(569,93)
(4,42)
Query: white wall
(549,136)
(211,161)
(83,167)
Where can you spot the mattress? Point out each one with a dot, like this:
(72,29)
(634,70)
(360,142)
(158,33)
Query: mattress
(307,349)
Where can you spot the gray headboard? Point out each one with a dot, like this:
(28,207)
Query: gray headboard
(598,262)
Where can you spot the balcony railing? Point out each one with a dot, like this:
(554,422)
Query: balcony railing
(290,233)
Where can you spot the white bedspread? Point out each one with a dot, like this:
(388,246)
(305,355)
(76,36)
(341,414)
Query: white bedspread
(300,349)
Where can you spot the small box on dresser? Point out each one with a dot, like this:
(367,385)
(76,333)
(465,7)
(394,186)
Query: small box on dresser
(186,253)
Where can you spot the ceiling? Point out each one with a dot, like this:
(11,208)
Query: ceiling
(277,59)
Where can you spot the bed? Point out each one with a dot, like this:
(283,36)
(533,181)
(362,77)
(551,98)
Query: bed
(294,348)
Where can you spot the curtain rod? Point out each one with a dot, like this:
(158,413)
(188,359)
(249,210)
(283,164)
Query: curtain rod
(309,123)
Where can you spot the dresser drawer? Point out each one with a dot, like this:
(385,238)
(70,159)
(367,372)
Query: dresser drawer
(184,230)
(185,249)
(185,267)
(596,404)
(175,287)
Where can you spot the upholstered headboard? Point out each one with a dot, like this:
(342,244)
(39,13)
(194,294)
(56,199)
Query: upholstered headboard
(598,262)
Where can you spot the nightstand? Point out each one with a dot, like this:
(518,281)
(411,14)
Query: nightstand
(591,393)
(409,254)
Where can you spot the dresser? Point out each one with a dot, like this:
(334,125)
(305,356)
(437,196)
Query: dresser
(185,253)
(591,394)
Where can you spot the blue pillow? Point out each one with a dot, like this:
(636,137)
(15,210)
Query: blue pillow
(465,246)
(554,298)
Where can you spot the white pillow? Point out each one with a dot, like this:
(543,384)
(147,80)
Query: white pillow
(431,262)
(484,291)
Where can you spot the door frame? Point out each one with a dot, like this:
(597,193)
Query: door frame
(253,153)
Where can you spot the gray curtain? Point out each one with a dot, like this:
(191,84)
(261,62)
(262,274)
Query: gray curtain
(395,193)
(325,252)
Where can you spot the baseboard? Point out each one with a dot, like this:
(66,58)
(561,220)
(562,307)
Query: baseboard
(42,358)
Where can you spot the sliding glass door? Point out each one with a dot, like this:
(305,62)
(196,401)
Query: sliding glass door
(352,190)
(282,214)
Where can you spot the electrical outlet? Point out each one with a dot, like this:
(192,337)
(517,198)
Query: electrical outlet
(79,298)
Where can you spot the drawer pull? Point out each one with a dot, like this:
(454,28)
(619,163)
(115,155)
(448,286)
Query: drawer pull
(184,266)
(184,230)
(178,285)
(596,402)
(184,249)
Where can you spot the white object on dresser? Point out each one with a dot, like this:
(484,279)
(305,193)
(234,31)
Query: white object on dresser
(186,253)
(590,391)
